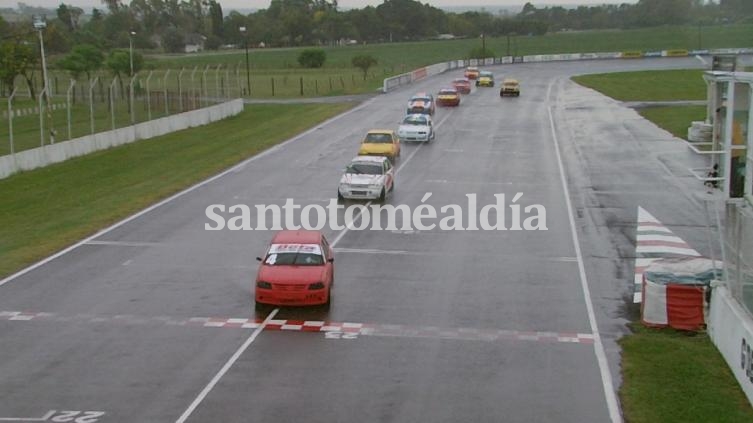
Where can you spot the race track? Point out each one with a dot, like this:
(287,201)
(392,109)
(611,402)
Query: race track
(153,320)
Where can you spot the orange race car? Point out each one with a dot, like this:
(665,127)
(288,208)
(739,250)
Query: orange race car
(448,97)
(471,72)
(463,85)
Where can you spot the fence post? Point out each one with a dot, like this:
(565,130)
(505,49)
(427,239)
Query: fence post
(91,103)
(167,109)
(226,84)
(68,97)
(301,86)
(131,102)
(217,84)
(148,97)
(193,88)
(180,89)
(238,80)
(41,117)
(112,101)
(273,86)
(10,123)
(204,84)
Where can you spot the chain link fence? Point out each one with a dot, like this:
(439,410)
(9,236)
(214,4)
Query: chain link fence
(83,106)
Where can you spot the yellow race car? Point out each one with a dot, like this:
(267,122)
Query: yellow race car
(485,79)
(380,142)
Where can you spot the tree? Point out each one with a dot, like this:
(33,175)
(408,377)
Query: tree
(172,40)
(17,58)
(119,62)
(312,58)
(84,58)
(364,62)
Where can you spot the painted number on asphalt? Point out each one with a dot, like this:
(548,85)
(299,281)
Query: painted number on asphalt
(340,335)
(77,416)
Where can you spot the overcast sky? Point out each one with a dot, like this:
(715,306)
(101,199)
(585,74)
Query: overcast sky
(263,4)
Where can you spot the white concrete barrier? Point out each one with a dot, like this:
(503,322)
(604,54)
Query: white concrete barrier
(59,152)
(731,330)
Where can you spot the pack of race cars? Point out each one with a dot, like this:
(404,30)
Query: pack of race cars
(370,175)
(298,267)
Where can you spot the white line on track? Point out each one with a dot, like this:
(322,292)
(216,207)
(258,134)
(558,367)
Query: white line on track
(701,59)
(204,392)
(350,225)
(601,356)
(180,194)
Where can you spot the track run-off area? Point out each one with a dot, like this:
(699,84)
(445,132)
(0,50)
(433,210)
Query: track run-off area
(152,319)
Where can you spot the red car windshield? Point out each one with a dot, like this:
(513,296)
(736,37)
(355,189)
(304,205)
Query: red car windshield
(294,255)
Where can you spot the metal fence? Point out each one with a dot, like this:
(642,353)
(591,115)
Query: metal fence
(84,107)
(738,246)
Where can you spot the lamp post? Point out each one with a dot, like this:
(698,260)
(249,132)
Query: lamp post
(248,75)
(130,49)
(40,25)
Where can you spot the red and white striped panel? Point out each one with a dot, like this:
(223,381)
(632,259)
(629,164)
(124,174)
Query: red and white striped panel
(654,241)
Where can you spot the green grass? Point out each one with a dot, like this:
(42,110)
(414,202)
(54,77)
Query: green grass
(668,85)
(398,57)
(670,376)
(46,209)
(674,119)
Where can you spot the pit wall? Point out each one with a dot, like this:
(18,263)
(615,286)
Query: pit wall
(62,151)
(731,330)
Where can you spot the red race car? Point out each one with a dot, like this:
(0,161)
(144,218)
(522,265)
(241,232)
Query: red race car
(463,85)
(298,270)
(448,97)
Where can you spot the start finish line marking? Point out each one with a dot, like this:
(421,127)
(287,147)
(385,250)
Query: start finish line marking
(331,330)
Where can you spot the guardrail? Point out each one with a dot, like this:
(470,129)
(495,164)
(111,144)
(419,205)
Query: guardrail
(436,69)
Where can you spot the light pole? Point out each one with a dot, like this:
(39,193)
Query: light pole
(130,49)
(40,25)
(248,76)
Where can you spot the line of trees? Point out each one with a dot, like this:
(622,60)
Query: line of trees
(79,40)
(169,25)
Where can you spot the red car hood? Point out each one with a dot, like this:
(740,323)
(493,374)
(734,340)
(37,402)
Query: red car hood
(291,274)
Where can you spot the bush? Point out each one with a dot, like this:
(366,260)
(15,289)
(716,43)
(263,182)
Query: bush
(312,58)
(364,62)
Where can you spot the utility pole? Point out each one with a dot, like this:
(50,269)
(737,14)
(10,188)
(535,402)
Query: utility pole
(248,75)
(130,44)
(40,24)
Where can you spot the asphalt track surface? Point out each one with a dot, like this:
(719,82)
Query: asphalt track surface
(426,326)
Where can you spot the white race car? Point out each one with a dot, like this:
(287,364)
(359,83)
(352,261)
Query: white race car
(367,177)
(416,127)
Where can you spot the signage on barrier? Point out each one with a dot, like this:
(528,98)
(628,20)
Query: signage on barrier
(652,54)
(632,54)
(675,53)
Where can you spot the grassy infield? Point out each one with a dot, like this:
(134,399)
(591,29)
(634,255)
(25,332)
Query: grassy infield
(669,377)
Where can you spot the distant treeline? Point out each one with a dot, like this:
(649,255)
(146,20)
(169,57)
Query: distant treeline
(169,25)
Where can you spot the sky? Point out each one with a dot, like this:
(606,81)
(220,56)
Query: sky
(346,4)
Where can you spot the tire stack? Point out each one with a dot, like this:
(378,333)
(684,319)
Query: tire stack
(700,132)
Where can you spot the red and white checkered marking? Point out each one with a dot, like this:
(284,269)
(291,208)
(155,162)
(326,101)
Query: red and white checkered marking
(405,331)
(654,241)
